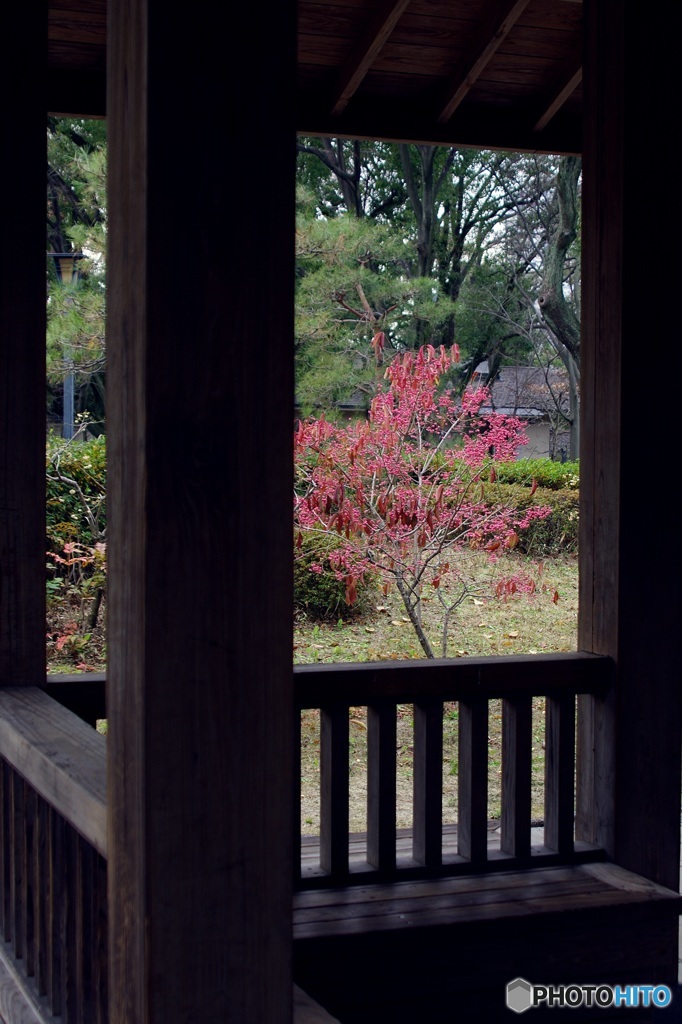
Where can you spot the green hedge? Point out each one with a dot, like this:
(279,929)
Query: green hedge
(555,476)
(555,535)
(320,594)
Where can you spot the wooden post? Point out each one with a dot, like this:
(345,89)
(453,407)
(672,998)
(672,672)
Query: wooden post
(629,743)
(22,360)
(200,415)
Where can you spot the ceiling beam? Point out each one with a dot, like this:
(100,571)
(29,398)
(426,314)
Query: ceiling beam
(569,84)
(480,53)
(364,53)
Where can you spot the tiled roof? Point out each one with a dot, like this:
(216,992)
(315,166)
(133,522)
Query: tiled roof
(526,391)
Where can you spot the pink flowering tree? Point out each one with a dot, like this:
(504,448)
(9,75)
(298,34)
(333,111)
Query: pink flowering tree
(408,489)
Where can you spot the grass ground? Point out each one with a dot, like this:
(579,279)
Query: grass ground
(482,626)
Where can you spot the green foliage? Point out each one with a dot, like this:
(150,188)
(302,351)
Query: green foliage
(352,284)
(320,594)
(552,475)
(70,469)
(76,218)
(555,535)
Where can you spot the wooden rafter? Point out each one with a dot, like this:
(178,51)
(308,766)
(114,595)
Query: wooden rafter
(471,67)
(568,85)
(363,55)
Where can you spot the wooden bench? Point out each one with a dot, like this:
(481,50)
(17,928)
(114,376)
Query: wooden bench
(414,950)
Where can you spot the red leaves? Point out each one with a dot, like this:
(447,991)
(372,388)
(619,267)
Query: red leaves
(534,487)
(401,490)
(351,590)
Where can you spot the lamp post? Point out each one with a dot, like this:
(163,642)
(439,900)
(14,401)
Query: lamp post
(67,273)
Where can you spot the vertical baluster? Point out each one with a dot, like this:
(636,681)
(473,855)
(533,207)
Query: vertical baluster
(70,920)
(56,898)
(296,809)
(472,781)
(427,846)
(41,876)
(16,872)
(516,775)
(381,786)
(559,766)
(100,969)
(334,738)
(86,931)
(28,878)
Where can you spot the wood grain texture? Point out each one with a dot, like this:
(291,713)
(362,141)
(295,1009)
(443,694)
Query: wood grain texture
(18,1003)
(559,771)
(479,53)
(381,786)
(334,785)
(428,783)
(459,679)
(364,53)
(472,780)
(199,695)
(411,905)
(629,605)
(61,757)
(22,366)
(516,775)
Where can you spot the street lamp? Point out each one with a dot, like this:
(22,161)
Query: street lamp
(67,273)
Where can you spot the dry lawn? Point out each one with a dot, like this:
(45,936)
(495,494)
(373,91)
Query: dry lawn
(482,626)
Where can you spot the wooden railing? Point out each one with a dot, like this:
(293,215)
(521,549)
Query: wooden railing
(53,846)
(53,850)
(53,842)
(431,848)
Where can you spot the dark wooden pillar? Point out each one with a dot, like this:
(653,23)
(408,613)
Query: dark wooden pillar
(22,356)
(630,604)
(200,413)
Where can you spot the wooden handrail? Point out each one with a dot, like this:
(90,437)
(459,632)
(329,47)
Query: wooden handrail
(61,758)
(460,679)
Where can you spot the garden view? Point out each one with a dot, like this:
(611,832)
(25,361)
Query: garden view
(436,419)
(426,521)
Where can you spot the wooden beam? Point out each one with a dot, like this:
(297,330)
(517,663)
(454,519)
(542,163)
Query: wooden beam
(22,362)
(199,697)
(364,53)
(630,606)
(479,54)
(567,87)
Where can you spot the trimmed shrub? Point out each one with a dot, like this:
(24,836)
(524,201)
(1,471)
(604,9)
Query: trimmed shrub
(555,535)
(317,590)
(555,476)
